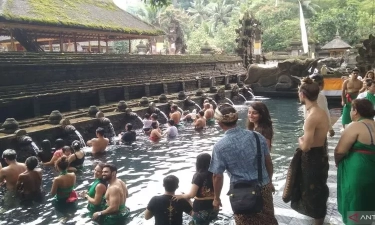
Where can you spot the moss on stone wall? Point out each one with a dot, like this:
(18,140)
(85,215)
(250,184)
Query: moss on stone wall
(73,13)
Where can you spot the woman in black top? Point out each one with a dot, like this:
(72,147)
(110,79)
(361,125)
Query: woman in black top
(77,158)
(202,191)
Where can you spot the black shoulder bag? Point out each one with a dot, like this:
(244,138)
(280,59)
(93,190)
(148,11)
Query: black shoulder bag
(246,196)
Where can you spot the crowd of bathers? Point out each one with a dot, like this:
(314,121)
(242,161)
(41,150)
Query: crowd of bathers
(24,180)
(243,153)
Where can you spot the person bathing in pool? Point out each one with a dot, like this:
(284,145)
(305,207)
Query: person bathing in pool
(100,143)
(77,158)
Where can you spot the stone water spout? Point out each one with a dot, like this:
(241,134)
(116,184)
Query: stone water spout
(130,115)
(188,103)
(248,92)
(105,123)
(221,98)
(236,96)
(153,109)
(25,146)
(70,133)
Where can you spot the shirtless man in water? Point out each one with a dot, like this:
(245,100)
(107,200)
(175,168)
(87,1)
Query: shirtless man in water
(209,113)
(175,115)
(350,90)
(200,121)
(115,195)
(313,146)
(29,182)
(100,143)
(11,172)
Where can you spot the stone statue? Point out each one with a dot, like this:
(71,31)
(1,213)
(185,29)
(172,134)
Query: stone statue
(366,55)
(25,146)
(285,76)
(220,95)
(105,123)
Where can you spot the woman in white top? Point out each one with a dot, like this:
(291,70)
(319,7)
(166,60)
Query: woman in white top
(147,124)
(171,131)
(322,101)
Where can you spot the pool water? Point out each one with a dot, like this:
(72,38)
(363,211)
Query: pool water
(144,165)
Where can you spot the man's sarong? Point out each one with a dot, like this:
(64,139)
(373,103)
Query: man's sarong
(267,216)
(204,217)
(117,218)
(210,122)
(347,107)
(307,182)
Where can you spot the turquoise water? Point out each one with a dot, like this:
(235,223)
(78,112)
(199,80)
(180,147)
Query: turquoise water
(144,165)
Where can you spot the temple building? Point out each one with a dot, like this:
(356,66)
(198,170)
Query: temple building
(337,47)
(68,25)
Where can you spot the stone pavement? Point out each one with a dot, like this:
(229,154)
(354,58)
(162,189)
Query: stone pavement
(287,216)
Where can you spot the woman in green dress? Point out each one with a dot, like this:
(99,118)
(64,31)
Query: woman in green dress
(65,198)
(96,192)
(355,158)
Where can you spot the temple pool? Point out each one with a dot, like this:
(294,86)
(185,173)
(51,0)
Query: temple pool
(144,165)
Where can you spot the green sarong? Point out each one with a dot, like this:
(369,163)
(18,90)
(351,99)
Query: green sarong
(210,122)
(91,192)
(117,218)
(356,181)
(347,107)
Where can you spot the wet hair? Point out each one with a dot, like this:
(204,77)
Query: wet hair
(171,122)
(309,88)
(370,73)
(59,143)
(264,123)
(65,122)
(170,183)
(76,146)
(201,113)
(46,146)
(111,167)
(154,116)
(31,162)
(369,82)
(319,79)
(62,163)
(99,114)
(226,109)
(129,126)
(100,164)
(154,125)
(206,101)
(10,154)
(203,162)
(66,148)
(100,131)
(146,116)
(364,108)
(175,107)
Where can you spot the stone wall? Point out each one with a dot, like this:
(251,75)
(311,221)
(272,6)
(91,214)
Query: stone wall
(33,85)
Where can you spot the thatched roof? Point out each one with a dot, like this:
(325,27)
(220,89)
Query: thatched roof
(336,43)
(101,15)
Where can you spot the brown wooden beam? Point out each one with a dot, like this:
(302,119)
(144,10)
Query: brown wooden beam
(61,43)
(11,41)
(50,46)
(98,43)
(75,43)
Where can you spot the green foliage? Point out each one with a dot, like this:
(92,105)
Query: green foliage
(121,47)
(215,20)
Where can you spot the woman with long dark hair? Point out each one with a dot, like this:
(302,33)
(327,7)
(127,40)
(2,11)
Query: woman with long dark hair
(259,119)
(202,191)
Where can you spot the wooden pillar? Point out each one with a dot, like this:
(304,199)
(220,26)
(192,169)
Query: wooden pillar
(106,46)
(75,42)
(50,46)
(98,43)
(11,41)
(61,43)
(150,44)
(130,46)
(90,46)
